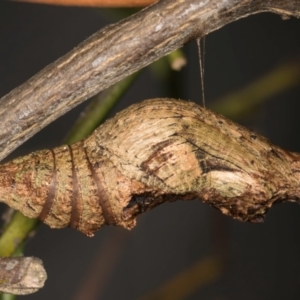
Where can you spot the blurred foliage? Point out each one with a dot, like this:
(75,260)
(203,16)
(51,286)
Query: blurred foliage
(244,102)
(182,285)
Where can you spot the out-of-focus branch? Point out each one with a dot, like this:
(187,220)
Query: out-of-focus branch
(15,233)
(240,103)
(182,285)
(94,3)
(114,53)
(21,275)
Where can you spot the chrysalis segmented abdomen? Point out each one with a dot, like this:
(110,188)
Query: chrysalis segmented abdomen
(157,148)
(63,187)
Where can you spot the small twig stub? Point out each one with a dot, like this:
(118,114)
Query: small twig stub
(21,275)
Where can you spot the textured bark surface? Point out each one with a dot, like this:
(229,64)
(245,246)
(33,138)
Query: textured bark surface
(21,275)
(114,53)
(155,151)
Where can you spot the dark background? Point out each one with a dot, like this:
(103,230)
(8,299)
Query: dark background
(263,260)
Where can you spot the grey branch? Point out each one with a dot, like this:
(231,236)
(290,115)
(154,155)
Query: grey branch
(114,53)
(21,275)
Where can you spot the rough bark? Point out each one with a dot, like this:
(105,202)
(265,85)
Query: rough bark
(153,152)
(114,53)
(21,275)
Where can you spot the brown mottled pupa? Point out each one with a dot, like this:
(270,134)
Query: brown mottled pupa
(161,149)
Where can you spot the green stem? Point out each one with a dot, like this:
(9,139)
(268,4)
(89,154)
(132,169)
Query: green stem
(98,110)
(15,233)
(8,296)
